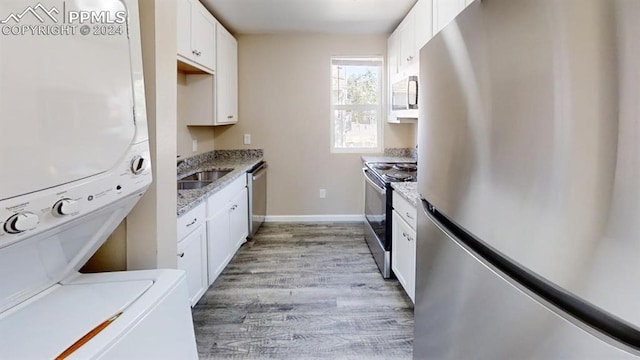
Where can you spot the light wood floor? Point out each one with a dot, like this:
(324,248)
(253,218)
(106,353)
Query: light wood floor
(304,292)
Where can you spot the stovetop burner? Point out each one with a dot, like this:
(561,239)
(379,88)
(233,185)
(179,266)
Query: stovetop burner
(406,167)
(395,176)
(382,166)
(389,172)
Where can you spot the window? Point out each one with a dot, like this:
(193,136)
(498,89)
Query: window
(356,104)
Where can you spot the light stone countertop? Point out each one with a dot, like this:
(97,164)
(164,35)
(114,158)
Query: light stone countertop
(239,162)
(408,190)
(388,159)
(397,155)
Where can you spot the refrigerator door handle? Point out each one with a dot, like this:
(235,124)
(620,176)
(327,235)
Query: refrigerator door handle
(609,325)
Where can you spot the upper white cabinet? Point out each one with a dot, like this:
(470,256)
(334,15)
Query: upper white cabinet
(196,35)
(213,100)
(423,21)
(403,46)
(407,33)
(393,55)
(426,18)
(226,78)
(446,10)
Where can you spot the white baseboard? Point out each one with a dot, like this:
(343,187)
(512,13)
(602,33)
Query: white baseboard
(313,218)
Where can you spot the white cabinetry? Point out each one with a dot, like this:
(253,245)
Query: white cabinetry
(403,46)
(446,10)
(192,251)
(423,22)
(403,246)
(226,78)
(227,225)
(403,49)
(196,35)
(393,56)
(213,100)
(407,34)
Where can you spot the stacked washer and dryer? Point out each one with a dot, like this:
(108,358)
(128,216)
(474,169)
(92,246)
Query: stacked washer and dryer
(74,160)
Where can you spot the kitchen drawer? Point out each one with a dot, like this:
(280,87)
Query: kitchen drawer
(405,209)
(190,220)
(219,200)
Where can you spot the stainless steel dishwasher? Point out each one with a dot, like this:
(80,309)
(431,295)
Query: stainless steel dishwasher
(257,186)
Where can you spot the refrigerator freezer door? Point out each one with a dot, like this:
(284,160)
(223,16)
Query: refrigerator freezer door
(464,310)
(531,139)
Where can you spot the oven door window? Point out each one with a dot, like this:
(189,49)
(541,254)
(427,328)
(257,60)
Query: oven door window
(375,206)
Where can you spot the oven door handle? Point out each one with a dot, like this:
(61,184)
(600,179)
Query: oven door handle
(371,182)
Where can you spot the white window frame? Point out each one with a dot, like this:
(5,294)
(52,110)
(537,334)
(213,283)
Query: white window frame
(378,108)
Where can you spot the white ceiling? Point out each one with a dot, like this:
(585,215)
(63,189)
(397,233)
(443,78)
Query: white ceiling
(309,16)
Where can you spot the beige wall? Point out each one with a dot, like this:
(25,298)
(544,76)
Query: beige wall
(151,228)
(284,89)
(185,135)
(112,255)
(146,239)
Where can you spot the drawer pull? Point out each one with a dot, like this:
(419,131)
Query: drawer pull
(181,255)
(409,216)
(195,220)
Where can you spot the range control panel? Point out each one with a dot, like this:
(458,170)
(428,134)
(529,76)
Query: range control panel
(27,215)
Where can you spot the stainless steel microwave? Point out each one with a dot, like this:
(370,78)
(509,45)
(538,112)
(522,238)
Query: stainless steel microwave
(404,98)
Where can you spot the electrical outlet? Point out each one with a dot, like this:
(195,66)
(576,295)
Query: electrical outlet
(323,193)
(194,145)
(247,139)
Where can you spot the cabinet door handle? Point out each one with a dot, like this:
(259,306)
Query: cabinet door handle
(181,255)
(409,216)
(194,52)
(409,238)
(230,117)
(195,220)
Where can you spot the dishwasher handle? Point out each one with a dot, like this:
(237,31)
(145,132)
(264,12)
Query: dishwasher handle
(259,172)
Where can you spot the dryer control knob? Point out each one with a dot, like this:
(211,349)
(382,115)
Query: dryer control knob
(21,222)
(138,164)
(65,207)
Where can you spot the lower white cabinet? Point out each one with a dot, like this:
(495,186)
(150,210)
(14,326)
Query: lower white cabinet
(227,225)
(192,252)
(403,246)
(239,219)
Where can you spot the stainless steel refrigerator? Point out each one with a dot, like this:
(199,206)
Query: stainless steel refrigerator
(529,172)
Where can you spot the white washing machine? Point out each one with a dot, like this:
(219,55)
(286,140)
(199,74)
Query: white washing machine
(74,160)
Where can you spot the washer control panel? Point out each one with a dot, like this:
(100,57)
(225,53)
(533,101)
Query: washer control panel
(27,215)
(64,207)
(21,222)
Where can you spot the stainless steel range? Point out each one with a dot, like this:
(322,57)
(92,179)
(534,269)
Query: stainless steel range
(378,207)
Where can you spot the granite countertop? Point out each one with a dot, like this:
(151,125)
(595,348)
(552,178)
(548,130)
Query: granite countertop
(397,155)
(239,161)
(408,190)
(388,159)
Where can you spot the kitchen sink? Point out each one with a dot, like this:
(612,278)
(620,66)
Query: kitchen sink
(192,184)
(210,175)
